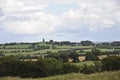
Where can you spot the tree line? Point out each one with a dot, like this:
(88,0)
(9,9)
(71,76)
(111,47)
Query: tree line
(83,43)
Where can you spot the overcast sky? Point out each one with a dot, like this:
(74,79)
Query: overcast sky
(71,20)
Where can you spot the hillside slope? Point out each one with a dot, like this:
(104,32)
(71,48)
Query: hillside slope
(76,76)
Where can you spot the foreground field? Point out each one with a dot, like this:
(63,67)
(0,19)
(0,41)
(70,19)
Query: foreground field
(77,76)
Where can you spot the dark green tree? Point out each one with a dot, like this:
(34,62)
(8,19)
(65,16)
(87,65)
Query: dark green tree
(69,68)
(96,51)
(74,56)
(87,43)
(91,57)
(49,66)
(64,57)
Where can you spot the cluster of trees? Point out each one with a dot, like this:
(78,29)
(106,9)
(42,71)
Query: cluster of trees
(1,54)
(84,43)
(72,54)
(108,44)
(64,55)
(115,43)
(42,68)
(93,55)
(87,43)
(111,63)
(11,66)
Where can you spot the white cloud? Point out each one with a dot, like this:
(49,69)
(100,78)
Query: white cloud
(95,14)
(30,17)
(24,18)
(38,24)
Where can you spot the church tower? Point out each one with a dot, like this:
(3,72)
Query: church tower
(43,40)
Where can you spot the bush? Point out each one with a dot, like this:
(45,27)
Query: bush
(49,66)
(91,57)
(87,69)
(42,68)
(97,66)
(111,63)
(69,68)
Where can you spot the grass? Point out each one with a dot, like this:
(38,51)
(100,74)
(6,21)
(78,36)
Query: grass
(106,50)
(12,50)
(115,75)
(25,49)
(78,76)
(86,62)
(37,52)
(102,50)
(72,47)
(17,46)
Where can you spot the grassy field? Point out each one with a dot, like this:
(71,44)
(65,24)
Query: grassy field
(86,62)
(25,49)
(115,75)
(73,47)
(102,50)
(17,46)
(30,51)
(37,52)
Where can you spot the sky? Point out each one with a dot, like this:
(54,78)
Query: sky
(59,20)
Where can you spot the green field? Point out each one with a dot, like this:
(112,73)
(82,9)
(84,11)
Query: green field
(25,49)
(86,62)
(115,75)
(30,51)
(37,52)
(73,47)
(17,46)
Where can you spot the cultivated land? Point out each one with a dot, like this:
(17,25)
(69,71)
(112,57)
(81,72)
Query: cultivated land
(30,49)
(115,75)
(85,59)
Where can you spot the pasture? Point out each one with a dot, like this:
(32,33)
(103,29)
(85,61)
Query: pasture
(40,48)
(115,75)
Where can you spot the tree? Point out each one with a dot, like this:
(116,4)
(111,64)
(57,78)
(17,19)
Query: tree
(87,43)
(69,68)
(87,69)
(51,41)
(49,66)
(91,57)
(1,54)
(115,43)
(64,57)
(52,55)
(96,51)
(74,56)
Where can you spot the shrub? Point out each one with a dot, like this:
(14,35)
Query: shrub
(91,57)
(69,68)
(97,66)
(87,69)
(111,63)
(49,66)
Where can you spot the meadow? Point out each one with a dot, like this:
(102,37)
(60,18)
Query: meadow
(35,48)
(114,75)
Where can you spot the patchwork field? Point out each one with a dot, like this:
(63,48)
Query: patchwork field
(25,49)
